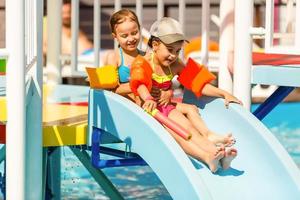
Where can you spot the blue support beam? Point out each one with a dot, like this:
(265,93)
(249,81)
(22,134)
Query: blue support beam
(266,107)
(98,163)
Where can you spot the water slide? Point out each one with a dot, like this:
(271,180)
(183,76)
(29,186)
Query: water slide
(262,170)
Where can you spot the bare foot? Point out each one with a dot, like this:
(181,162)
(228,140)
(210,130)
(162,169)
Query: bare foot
(230,154)
(213,160)
(227,140)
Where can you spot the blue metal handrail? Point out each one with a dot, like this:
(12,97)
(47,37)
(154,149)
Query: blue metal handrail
(268,105)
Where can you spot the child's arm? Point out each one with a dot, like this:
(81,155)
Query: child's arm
(163,97)
(149,104)
(123,89)
(112,58)
(210,90)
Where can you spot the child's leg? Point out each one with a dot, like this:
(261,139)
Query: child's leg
(197,138)
(212,160)
(192,113)
(198,147)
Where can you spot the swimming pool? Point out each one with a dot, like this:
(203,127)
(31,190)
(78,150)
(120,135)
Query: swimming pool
(284,122)
(142,183)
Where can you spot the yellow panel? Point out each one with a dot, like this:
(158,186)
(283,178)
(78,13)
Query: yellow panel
(2,109)
(65,135)
(62,124)
(54,114)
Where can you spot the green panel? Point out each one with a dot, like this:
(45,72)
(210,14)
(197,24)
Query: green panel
(2,65)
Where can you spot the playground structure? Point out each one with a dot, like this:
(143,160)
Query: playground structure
(31,142)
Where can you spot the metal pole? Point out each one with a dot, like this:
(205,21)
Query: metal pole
(15,137)
(205,31)
(243,51)
(54,41)
(74,33)
(139,13)
(226,44)
(182,20)
(97,31)
(269,24)
(118,6)
(297,31)
(160,9)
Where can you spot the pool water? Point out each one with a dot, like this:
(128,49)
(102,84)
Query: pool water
(142,183)
(284,123)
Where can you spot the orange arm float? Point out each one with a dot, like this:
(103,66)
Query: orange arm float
(194,77)
(140,74)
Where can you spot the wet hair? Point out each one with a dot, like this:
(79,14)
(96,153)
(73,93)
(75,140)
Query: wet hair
(152,39)
(66,1)
(156,39)
(121,16)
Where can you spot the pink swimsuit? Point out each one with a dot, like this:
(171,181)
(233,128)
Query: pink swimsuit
(163,83)
(165,110)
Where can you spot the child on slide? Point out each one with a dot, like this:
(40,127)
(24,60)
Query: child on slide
(125,28)
(166,42)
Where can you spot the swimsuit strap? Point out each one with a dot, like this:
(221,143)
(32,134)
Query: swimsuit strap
(122,58)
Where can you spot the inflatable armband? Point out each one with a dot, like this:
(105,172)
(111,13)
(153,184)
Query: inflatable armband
(194,77)
(140,74)
(105,77)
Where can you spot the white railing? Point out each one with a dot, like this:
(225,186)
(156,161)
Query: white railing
(205,30)
(243,17)
(54,42)
(74,32)
(226,42)
(24,95)
(244,31)
(3,54)
(97,32)
(269,29)
(53,66)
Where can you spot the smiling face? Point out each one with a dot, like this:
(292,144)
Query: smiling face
(127,34)
(167,54)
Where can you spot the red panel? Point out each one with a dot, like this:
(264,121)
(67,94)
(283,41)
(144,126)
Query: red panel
(275,59)
(2,133)
(74,103)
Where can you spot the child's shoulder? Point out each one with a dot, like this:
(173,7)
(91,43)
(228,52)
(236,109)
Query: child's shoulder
(112,57)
